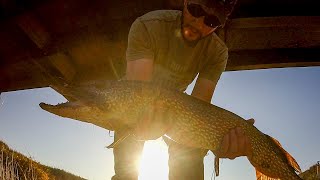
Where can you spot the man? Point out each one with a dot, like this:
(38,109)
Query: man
(171,47)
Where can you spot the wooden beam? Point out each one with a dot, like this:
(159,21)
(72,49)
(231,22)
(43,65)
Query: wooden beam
(21,75)
(273,32)
(64,65)
(273,58)
(30,25)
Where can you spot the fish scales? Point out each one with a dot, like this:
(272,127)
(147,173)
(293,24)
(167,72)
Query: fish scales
(190,121)
(214,124)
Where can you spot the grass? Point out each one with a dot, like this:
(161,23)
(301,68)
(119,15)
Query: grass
(8,167)
(14,166)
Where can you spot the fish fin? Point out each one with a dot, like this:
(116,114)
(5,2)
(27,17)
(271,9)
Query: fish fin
(293,163)
(216,165)
(122,137)
(261,176)
(250,121)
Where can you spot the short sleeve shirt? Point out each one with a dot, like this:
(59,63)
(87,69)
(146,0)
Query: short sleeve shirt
(157,36)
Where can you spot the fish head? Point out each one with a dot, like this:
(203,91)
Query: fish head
(81,112)
(108,104)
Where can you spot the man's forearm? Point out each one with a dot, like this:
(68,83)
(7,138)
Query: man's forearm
(204,89)
(140,69)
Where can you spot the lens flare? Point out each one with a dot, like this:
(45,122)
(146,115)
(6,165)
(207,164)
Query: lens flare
(154,161)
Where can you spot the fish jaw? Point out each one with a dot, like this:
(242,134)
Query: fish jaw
(141,129)
(81,112)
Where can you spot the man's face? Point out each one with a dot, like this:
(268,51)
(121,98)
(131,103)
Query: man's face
(198,20)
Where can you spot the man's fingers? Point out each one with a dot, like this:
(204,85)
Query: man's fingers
(225,144)
(233,141)
(241,141)
(235,144)
(152,123)
(248,147)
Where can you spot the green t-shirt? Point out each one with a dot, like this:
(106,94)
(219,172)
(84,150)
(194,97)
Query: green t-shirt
(157,36)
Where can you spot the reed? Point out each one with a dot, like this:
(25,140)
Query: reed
(15,167)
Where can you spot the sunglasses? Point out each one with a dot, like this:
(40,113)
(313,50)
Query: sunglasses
(197,11)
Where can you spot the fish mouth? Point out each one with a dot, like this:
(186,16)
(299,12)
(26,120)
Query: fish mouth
(48,106)
(52,108)
(66,109)
(76,110)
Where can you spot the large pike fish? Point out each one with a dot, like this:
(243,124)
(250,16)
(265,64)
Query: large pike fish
(119,105)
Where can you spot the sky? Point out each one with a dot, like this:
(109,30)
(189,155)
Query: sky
(285,103)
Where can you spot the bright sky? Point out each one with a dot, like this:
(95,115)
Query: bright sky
(284,102)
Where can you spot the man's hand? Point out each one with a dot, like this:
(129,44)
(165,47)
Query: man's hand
(153,123)
(235,144)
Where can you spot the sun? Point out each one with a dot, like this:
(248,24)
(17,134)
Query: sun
(154,161)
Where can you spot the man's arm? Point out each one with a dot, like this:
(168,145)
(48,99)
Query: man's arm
(204,89)
(140,69)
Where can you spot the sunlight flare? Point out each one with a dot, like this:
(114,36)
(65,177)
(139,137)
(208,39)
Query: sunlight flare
(154,161)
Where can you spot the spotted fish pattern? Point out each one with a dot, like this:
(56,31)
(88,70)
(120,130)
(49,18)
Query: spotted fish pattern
(118,105)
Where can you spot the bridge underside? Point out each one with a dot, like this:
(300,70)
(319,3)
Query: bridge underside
(61,41)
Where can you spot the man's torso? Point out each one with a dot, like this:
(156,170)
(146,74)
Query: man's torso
(177,62)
